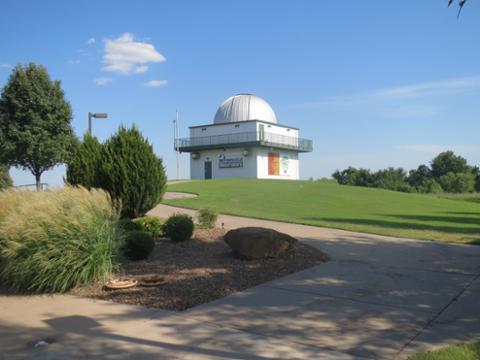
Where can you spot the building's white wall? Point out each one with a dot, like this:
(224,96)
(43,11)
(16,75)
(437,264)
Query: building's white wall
(280,130)
(249,169)
(262,164)
(223,129)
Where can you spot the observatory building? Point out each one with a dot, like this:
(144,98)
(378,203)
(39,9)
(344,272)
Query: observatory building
(244,141)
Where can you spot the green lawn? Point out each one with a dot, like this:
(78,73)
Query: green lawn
(469,351)
(324,203)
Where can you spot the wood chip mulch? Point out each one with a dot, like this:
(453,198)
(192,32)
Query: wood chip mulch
(201,270)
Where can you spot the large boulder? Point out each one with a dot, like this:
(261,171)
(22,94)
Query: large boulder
(257,242)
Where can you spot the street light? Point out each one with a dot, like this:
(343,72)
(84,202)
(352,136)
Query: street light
(96,116)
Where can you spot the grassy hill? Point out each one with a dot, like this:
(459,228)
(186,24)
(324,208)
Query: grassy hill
(325,203)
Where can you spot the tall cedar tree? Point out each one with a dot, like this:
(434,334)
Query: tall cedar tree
(83,165)
(131,172)
(35,121)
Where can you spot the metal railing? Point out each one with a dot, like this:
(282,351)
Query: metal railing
(245,138)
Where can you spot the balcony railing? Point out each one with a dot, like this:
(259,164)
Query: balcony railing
(253,138)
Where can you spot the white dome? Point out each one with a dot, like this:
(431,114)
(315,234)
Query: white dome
(243,107)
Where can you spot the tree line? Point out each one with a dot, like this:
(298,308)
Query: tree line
(447,172)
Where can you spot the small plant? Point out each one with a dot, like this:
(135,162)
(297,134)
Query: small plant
(207,218)
(138,245)
(178,227)
(151,225)
(128,225)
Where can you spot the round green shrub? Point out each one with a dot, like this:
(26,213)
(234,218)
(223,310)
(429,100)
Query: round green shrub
(138,245)
(150,224)
(178,227)
(129,225)
(207,218)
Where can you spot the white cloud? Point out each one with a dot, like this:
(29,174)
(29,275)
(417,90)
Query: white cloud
(91,41)
(101,81)
(140,69)
(399,93)
(124,55)
(155,83)
(5,66)
(437,148)
(434,88)
(73,62)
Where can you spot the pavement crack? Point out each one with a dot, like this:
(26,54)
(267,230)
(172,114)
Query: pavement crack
(434,318)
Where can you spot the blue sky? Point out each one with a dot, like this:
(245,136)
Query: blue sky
(373,83)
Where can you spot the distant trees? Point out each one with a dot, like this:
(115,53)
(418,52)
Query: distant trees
(446,173)
(35,129)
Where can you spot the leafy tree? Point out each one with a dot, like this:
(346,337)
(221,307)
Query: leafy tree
(353,176)
(446,162)
(477,183)
(84,162)
(457,182)
(5,179)
(35,121)
(418,176)
(131,172)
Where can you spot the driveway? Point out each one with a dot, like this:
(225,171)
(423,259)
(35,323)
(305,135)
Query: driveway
(378,298)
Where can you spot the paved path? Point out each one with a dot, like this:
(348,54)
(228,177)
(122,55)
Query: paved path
(378,298)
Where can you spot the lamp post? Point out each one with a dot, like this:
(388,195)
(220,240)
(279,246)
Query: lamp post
(96,116)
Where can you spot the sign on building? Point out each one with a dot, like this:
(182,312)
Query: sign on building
(230,161)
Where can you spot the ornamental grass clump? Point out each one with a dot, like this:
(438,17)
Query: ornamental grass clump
(207,218)
(56,240)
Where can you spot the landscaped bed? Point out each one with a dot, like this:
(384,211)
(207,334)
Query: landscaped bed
(200,270)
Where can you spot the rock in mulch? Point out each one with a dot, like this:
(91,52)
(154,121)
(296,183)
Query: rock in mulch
(258,243)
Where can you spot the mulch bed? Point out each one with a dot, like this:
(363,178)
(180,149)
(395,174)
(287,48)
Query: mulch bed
(201,270)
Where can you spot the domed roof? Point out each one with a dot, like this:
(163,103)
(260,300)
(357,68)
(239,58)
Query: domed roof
(243,107)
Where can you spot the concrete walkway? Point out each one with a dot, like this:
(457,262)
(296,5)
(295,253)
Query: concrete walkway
(378,298)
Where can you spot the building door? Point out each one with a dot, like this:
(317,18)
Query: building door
(261,132)
(208,170)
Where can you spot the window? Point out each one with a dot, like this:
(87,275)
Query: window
(237,126)
(204,129)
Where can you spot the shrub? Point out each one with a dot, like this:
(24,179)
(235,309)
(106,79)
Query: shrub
(131,172)
(53,241)
(127,225)
(151,225)
(429,186)
(83,164)
(207,218)
(138,245)
(178,227)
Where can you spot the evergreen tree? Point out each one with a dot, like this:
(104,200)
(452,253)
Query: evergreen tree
(35,121)
(131,172)
(83,165)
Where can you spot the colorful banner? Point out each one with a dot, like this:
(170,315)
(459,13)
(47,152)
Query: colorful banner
(273,163)
(278,164)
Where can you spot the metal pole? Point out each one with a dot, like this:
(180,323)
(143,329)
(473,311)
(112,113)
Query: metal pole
(89,123)
(176,142)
